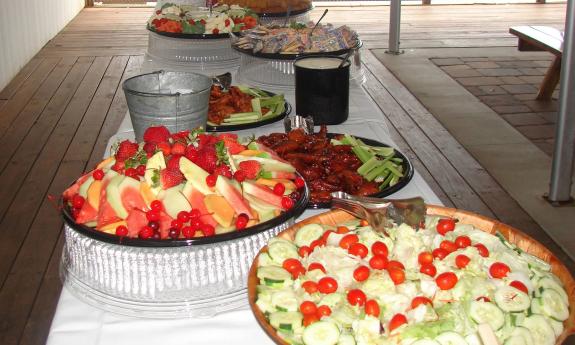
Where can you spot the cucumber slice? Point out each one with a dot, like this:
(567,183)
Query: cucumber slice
(510,299)
(307,234)
(346,339)
(290,338)
(321,333)
(540,330)
(473,339)
(557,326)
(549,283)
(332,300)
(425,342)
(286,320)
(536,306)
(524,334)
(486,312)
(273,274)
(553,305)
(450,338)
(280,251)
(514,340)
(265,260)
(284,300)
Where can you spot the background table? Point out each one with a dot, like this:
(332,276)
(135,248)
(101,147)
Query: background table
(76,322)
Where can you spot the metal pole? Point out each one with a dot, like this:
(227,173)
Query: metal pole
(394,22)
(562,169)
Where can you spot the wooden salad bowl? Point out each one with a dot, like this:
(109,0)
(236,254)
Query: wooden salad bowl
(486,224)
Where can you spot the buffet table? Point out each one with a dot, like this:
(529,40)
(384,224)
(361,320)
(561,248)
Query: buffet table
(76,322)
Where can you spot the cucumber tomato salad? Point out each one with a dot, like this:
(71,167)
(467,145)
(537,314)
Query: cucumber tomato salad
(352,285)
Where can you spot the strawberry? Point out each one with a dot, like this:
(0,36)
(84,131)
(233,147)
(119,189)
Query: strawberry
(174,162)
(207,159)
(156,134)
(170,178)
(228,136)
(206,140)
(251,168)
(165,147)
(223,170)
(150,148)
(233,146)
(181,136)
(191,153)
(126,149)
(178,148)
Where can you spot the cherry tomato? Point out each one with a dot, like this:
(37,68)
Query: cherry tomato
(356,297)
(379,248)
(499,270)
(316,266)
(397,275)
(428,269)
(307,307)
(358,249)
(291,264)
(348,240)
(519,286)
(463,241)
(298,271)
(461,261)
(415,302)
(327,285)
(310,319)
(395,264)
(483,299)
(304,251)
(326,235)
(310,286)
(342,230)
(361,273)
(440,253)
(449,246)
(378,262)
(445,225)
(372,308)
(446,280)
(323,310)
(396,321)
(317,243)
(483,251)
(425,258)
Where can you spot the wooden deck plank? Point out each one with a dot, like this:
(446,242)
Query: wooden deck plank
(77,135)
(18,215)
(28,88)
(49,102)
(452,183)
(20,78)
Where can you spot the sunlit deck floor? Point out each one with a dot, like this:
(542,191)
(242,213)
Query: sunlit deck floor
(59,111)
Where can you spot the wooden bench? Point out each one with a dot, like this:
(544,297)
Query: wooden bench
(542,38)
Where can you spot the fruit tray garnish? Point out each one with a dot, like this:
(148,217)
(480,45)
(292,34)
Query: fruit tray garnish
(243,105)
(340,162)
(183,186)
(191,20)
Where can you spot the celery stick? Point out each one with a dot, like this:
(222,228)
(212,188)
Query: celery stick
(385,182)
(397,160)
(366,167)
(382,177)
(256,106)
(383,151)
(394,180)
(336,142)
(375,172)
(393,169)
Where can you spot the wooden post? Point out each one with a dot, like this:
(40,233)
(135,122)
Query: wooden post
(428,2)
(540,1)
(89,3)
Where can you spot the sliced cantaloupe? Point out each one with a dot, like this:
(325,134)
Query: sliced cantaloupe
(221,210)
(94,194)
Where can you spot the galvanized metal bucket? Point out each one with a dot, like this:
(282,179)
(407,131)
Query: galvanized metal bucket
(177,100)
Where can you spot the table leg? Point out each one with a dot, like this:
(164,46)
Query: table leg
(550,81)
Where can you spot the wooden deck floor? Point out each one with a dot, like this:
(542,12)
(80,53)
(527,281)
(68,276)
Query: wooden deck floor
(59,111)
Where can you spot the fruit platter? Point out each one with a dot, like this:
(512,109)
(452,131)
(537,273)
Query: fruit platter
(336,162)
(296,40)
(460,279)
(242,107)
(273,7)
(181,21)
(168,227)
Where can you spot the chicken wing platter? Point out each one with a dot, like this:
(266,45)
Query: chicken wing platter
(242,107)
(340,162)
(297,39)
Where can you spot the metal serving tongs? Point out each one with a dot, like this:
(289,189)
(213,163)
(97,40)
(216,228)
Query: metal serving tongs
(381,213)
(223,80)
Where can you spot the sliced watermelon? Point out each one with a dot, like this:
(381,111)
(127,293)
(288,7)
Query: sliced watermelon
(73,189)
(136,221)
(132,198)
(106,214)
(196,199)
(87,214)
(165,225)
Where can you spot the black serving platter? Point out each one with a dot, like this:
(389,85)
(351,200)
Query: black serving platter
(190,36)
(284,14)
(289,56)
(407,173)
(226,128)
(298,208)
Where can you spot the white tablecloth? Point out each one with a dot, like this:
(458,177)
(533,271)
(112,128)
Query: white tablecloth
(76,322)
